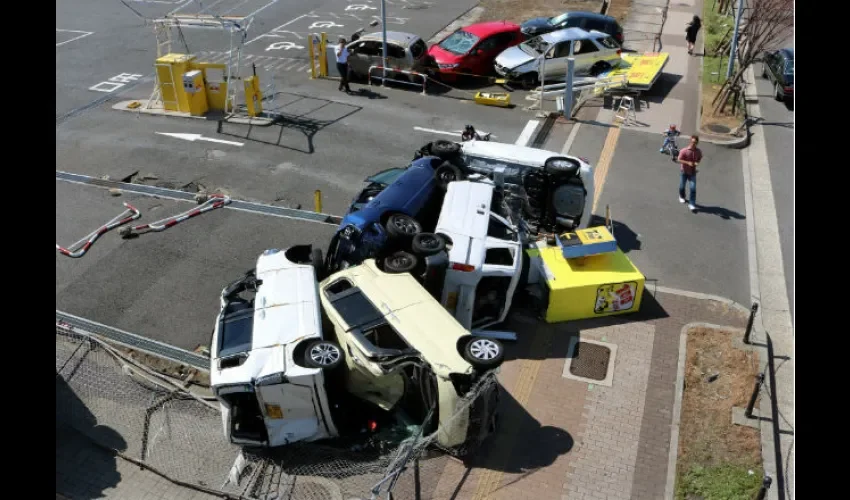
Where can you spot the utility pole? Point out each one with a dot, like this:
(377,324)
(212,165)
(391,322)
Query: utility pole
(568,88)
(384,39)
(734,49)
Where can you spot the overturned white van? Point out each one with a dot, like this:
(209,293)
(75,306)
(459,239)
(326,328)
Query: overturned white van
(268,354)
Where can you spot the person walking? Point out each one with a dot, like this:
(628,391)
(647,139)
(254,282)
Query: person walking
(689,158)
(691,33)
(342,64)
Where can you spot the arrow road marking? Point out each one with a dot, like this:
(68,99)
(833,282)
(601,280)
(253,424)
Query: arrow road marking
(199,137)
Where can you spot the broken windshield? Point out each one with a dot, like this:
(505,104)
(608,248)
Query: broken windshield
(535,46)
(460,42)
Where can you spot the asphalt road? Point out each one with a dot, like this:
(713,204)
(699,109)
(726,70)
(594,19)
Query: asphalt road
(163,285)
(778,126)
(703,252)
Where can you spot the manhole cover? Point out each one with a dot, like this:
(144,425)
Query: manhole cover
(590,361)
(720,129)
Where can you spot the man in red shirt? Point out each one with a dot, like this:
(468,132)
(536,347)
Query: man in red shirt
(689,158)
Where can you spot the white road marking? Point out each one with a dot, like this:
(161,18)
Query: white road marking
(82,34)
(443,132)
(570,139)
(527,132)
(199,137)
(279,27)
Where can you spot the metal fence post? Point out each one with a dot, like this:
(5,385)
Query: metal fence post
(754,395)
(749,329)
(765,485)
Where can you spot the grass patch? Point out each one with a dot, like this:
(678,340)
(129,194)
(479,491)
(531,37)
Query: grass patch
(716,29)
(715,456)
(522,10)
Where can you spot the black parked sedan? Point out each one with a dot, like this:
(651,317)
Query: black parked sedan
(778,68)
(584,20)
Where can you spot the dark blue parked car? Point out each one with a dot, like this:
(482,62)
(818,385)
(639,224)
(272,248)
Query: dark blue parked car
(389,224)
(584,20)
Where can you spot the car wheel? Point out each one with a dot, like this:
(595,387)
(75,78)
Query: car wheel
(447,173)
(764,71)
(599,67)
(403,226)
(484,353)
(777,92)
(322,354)
(444,149)
(528,81)
(318,263)
(560,165)
(400,262)
(428,244)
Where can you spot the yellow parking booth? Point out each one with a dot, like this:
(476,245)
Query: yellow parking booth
(604,284)
(170,69)
(196,92)
(253,96)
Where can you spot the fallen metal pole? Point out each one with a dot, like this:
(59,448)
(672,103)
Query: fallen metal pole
(754,395)
(750,321)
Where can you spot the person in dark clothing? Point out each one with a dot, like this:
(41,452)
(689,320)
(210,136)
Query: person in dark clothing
(342,64)
(691,33)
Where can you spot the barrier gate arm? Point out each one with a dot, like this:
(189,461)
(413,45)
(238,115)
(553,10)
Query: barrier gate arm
(130,213)
(215,201)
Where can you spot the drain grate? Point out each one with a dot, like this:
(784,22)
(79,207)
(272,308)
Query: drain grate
(590,361)
(720,129)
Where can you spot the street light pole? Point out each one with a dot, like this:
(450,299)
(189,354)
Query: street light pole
(384,40)
(568,89)
(734,49)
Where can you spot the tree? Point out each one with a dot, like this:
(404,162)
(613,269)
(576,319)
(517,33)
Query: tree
(764,25)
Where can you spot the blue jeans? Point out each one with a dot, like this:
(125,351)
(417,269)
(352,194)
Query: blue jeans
(667,140)
(692,183)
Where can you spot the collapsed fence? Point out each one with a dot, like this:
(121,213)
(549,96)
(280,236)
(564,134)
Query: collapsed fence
(176,432)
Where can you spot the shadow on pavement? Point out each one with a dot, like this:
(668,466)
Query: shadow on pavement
(273,134)
(83,469)
(723,213)
(662,88)
(627,239)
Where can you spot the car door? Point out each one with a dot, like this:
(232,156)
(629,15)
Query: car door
(586,54)
(482,55)
(397,57)
(770,66)
(556,59)
(362,54)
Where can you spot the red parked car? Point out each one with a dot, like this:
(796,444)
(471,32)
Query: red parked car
(472,49)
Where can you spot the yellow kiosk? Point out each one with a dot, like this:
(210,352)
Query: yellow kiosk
(600,282)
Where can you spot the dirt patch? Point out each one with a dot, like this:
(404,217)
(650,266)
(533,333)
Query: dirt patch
(523,10)
(726,119)
(188,375)
(718,376)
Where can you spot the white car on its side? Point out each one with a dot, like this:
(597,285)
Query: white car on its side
(268,354)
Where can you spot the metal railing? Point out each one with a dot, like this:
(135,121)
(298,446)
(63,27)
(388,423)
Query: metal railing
(384,78)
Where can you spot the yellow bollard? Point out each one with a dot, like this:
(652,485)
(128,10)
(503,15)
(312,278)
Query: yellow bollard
(323,55)
(317,201)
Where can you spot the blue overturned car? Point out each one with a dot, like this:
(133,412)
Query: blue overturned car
(385,221)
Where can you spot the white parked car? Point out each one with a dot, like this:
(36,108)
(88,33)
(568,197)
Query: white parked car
(268,354)
(593,52)
(485,254)
(556,190)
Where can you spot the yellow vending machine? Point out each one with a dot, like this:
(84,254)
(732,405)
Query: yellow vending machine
(169,72)
(196,92)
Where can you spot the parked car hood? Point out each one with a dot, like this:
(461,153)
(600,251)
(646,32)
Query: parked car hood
(442,56)
(535,25)
(513,57)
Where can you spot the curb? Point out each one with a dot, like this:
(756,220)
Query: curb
(702,296)
(263,121)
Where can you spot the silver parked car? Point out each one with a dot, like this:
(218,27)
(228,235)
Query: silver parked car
(593,51)
(404,51)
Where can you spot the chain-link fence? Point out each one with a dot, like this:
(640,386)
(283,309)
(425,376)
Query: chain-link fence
(154,421)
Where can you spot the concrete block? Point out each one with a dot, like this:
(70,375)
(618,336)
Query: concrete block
(739,417)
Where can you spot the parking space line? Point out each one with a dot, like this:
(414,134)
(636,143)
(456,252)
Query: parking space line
(604,163)
(444,132)
(83,34)
(573,133)
(275,29)
(527,132)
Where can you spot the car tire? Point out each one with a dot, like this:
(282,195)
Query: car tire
(447,173)
(403,226)
(484,353)
(444,149)
(322,354)
(426,244)
(561,165)
(400,262)
(318,263)
(598,67)
(529,80)
(777,92)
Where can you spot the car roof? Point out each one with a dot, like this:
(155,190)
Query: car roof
(572,34)
(399,37)
(589,15)
(513,153)
(482,30)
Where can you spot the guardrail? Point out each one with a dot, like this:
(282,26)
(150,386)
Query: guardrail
(424,83)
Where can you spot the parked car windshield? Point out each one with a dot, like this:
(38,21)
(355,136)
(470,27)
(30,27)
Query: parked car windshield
(558,19)
(535,46)
(460,42)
